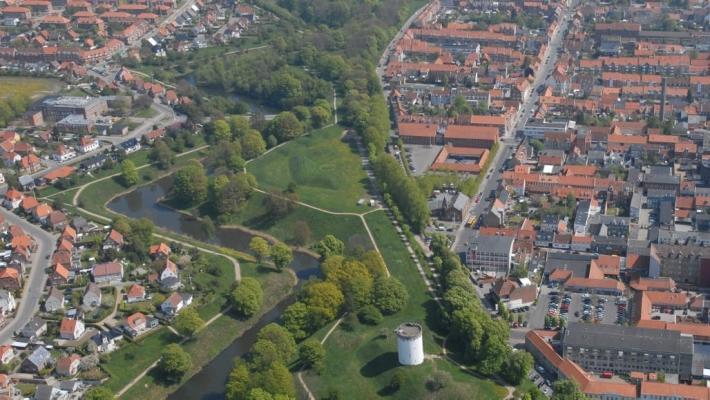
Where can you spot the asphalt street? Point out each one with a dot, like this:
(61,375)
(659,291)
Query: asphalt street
(34,284)
(509,142)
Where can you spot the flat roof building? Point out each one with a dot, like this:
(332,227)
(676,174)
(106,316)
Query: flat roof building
(490,253)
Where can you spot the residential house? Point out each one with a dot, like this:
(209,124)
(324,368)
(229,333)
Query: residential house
(169,276)
(54,301)
(87,144)
(12,199)
(10,279)
(450,207)
(136,324)
(110,272)
(37,361)
(161,250)
(7,353)
(175,303)
(48,392)
(68,234)
(7,302)
(114,241)
(68,366)
(63,153)
(41,213)
(135,293)
(106,342)
(28,204)
(33,329)
(71,329)
(131,146)
(92,296)
(57,220)
(59,275)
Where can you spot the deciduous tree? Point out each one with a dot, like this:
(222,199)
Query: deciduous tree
(260,248)
(188,322)
(281,255)
(129,173)
(174,362)
(246,297)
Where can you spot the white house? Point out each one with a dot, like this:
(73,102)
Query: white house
(7,302)
(63,153)
(71,329)
(87,144)
(175,303)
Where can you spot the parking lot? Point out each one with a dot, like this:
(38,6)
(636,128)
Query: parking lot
(575,307)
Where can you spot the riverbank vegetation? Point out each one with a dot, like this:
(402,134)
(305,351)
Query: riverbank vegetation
(206,344)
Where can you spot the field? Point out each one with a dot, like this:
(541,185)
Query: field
(367,355)
(30,87)
(327,171)
(347,228)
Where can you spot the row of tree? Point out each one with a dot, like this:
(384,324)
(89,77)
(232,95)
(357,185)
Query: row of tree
(482,341)
(403,192)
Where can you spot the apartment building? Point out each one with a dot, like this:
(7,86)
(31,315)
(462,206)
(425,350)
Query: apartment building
(491,254)
(688,265)
(610,348)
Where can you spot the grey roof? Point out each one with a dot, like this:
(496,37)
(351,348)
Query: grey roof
(577,263)
(40,357)
(662,179)
(665,215)
(496,244)
(666,193)
(34,324)
(460,201)
(25,180)
(54,292)
(613,337)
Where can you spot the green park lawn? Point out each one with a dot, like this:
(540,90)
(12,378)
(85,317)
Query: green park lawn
(25,86)
(367,355)
(327,171)
(347,228)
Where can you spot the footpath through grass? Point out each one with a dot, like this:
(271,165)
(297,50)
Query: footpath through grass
(326,170)
(367,355)
(256,216)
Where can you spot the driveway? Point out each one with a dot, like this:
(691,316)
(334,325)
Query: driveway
(34,284)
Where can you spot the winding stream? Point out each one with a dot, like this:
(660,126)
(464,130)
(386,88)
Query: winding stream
(209,383)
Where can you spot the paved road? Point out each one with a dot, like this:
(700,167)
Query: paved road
(165,116)
(382,64)
(508,142)
(34,285)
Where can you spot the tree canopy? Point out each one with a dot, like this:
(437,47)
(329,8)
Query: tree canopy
(174,362)
(247,297)
(190,184)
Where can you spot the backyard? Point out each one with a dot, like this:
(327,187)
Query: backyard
(326,170)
